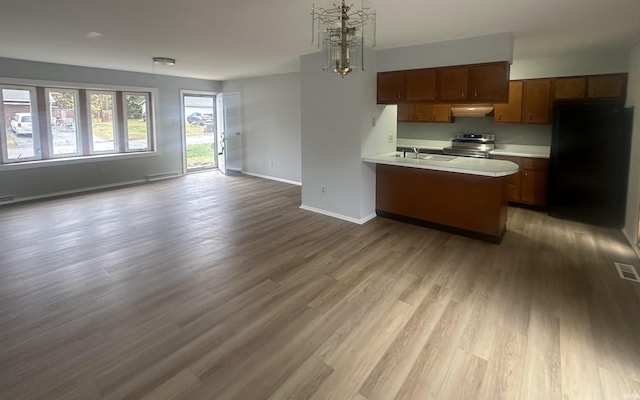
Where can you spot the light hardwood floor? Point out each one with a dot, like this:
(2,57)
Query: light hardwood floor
(214,287)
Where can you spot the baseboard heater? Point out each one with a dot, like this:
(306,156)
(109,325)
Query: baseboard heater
(159,177)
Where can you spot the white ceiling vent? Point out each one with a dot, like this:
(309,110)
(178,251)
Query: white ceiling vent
(627,272)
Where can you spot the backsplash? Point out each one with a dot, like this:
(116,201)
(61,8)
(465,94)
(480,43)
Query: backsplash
(522,134)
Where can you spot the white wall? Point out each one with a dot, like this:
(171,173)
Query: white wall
(481,49)
(336,122)
(53,178)
(633,193)
(271,125)
(592,63)
(382,138)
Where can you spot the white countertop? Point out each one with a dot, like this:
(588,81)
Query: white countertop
(515,150)
(462,165)
(521,151)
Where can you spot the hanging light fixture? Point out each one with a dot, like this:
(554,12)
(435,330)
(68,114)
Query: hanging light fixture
(346,31)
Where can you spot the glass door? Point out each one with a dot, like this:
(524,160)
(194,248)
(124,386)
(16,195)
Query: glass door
(232,137)
(199,125)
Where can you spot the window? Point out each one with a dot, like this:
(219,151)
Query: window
(63,114)
(20,139)
(43,123)
(137,124)
(102,124)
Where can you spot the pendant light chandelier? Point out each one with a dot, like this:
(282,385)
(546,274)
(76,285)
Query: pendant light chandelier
(343,32)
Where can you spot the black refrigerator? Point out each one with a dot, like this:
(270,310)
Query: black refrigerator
(589,163)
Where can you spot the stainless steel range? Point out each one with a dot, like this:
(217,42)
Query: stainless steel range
(471,145)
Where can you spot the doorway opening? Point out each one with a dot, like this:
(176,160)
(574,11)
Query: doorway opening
(199,131)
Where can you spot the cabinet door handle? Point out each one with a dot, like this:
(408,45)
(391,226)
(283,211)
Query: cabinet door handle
(530,116)
(475,92)
(499,117)
(462,93)
(434,117)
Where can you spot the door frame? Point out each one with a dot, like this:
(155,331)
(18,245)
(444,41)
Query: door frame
(183,127)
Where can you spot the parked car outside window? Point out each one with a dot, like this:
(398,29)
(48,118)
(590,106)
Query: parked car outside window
(198,118)
(21,124)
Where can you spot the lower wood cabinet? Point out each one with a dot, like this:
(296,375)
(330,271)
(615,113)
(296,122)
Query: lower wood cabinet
(465,203)
(534,187)
(529,185)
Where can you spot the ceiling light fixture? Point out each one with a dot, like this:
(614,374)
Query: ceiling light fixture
(346,33)
(164,61)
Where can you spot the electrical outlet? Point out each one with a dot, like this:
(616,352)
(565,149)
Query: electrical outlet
(323,189)
(390,138)
(373,121)
(271,163)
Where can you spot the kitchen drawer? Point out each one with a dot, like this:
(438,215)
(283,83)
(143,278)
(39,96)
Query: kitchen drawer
(536,164)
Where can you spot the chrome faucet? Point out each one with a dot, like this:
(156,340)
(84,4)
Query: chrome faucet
(416,152)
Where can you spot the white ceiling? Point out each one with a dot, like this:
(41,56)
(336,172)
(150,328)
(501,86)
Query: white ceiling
(227,39)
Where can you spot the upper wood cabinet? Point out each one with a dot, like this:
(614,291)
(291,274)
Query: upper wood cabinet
(454,83)
(570,88)
(489,83)
(475,83)
(401,86)
(420,84)
(390,87)
(592,87)
(607,86)
(536,101)
(424,112)
(512,111)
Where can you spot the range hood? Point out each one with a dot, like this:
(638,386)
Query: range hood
(471,110)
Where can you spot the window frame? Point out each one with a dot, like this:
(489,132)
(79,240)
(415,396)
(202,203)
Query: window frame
(35,126)
(40,110)
(76,110)
(148,119)
(114,113)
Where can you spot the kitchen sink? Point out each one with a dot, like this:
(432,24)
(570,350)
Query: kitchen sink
(436,157)
(429,157)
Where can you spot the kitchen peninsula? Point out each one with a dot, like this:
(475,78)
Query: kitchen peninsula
(460,194)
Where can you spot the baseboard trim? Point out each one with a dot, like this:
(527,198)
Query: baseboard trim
(160,177)
(338,216)
(65,193)
(273,178)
